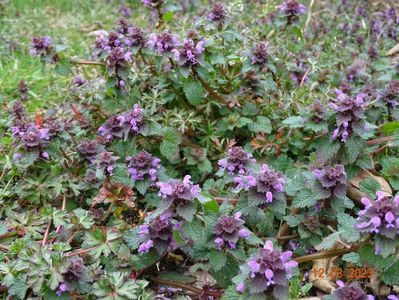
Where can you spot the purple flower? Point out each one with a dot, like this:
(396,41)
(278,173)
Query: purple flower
(392,297)
(54,127)
(269,185)
(178,196)
(76,273)
(118,57)
(40,46)
(106,161)
(218,13)
(237,161)
(379,218)
(143,166)
(332,180)
(317,111)
(267,270)
(17,110)
(390,95)
(79,81)
(120,125)
(189,53)
(152,3)
(61,289)
(146,246)
(163,42)
(23,90)
(125,10)
(349,115)
(34,137)
(244,182)
(133,36)
(89,149)
(351,292)
(292,9)
(228,230)
(158,233)
(299,74)
(260,54)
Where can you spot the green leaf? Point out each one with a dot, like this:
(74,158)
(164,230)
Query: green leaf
(391,274)
(121,175)
(194,230)
(132,238)
(217,259)
(367,256)
(327,150)
(370,186)
(170,145)
(18,287)
(345,227)
(352,257)
(142,186)
(262,124)
(328,242)
(187,212)
(294,122)
(390,128)
(194,92)
(305,198)
(354,147)
(85,219)
(226,273)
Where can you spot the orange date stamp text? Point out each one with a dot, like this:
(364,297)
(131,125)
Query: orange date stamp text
(340,273)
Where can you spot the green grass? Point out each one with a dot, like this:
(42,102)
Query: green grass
(67,22)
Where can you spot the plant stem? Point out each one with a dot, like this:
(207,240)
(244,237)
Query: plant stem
(322,254)
(46,233)
(187,287)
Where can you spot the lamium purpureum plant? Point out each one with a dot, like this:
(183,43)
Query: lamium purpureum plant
(380,219)
(188,134)
(266,273)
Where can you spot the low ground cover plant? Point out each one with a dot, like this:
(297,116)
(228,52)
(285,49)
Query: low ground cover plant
(199,150)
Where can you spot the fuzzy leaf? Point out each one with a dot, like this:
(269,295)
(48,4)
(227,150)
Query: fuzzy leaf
(194,92)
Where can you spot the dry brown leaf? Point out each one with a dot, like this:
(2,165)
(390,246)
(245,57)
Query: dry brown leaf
(324,284)
(394,50)
(354,185)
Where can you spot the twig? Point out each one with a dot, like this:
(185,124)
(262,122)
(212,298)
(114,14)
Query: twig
(46,233)
(208,88)
(73,236)
(323,254)
(81,251)
(88,62)
(381,140)
(4,247)
(62,208)
(187,287)
(309,17)
(221,200)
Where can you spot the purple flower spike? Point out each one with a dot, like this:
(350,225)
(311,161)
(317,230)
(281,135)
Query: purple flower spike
(189,53)
(218,13)
(267,270)
(292,9)
(332,180)
(379,218)
(260,54)
(269,186)
(143,166)
(163,42)
(237,162)
(157,233)
(349,292)
(178,195)
(349,115)
(40,46)
(229,229)
(240,287)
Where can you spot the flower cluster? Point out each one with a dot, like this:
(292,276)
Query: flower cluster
(133,36)
(218,13)
(106,161)
(260,54)
(30,137)
(17,110)
(390,96)
(163,42)
(178,195)
(332,180)
(158,233)
(189,53)
(120,125)
(23,90)
(291,10)
(298,75)
(143,166)
(266,186)
(349,115)
(228,230)
(40,46)
(318,111)
(152,3)
(351,292)
(77,273)
(267,271)
(237,162)
(89,149)
(380,217)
